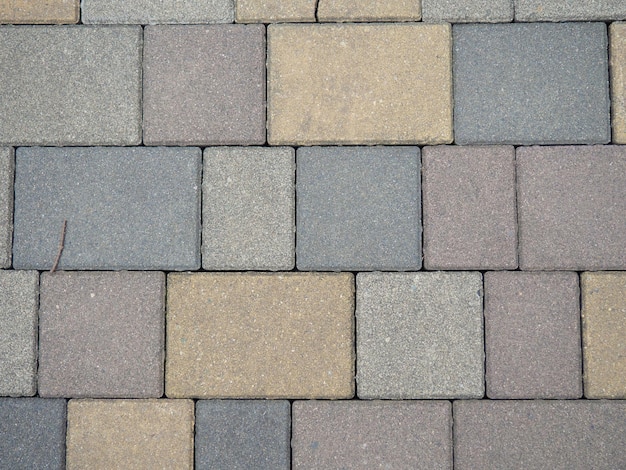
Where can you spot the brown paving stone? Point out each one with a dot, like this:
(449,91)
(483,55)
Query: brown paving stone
(39,11)
(617,63)
(271,11)
(369,10)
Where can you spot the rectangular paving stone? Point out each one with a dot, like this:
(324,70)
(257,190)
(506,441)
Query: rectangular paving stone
(344,84)
(565,10)
(358,208)
(39,11)
(521,84)
(101,334)
(126,208)
(248,208)
(470,221)
(572,207)
(618,81)
(419,335)
(70,85)
(7,174)
(468,11)
(157,11)
(369,10)
(272,11)
(260,335)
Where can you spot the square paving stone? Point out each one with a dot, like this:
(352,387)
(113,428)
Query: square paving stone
(532,335)
(470,221)
(248,208)
(70,85)
(126,208)
(419,335)
(618,81)
(101,334)
(345,84)
(369,10)
(372,434)
(468,11)
(566,10)
(157,11)
(572,207)
(521,84)
(204,85)
(7,174)
(243,434)
(260,335)
(271,11)
(39,11)
(358,208)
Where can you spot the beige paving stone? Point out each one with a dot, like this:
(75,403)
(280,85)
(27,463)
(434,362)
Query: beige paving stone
(260,335)
(271,11)
(618,81)
(39,11)
(369,10)
(359,84)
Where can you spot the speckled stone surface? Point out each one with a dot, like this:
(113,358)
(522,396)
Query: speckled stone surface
(7,173)
(369,10)
(39,11)
(268,11)
(565,10)
(468,11)
(618,80)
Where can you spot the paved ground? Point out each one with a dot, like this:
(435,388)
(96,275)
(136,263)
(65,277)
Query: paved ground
(400,222)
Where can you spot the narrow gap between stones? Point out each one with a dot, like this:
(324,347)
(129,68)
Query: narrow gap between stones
(453,445)
(317,5)
(580,336)
(516,207)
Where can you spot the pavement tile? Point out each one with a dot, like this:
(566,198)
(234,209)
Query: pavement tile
(468,11)
(7,173)
(469,213)
(565,10)
(248,208)
(520,84)
(532,335)
(419,335)
(604,333)
(101,334)
(572,207)
(343,84)
(618,80)
(137,434)
(126,208)
(157,11)
(568,434)
(358,208)
(70,85)
(39,11)
(369,10)
(260,335)
(372,434)
(243,434)
(204,85)
(272,11)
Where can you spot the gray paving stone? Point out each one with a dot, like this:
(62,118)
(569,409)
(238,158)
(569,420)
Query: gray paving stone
(419,335)
(248,210)
(242,434)
(521,84)
(126,208)
(358,208)
(467,11)
(565,10)
(537,434)
(572,207)
(70,85)
(7,170)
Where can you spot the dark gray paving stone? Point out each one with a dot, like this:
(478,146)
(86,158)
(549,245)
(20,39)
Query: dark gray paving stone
(572,207)
(372,434)
(7,170)
(537,434)
(242,434)
(565,10)
(204,85)
(101,334)
(358,208)
(467,11)
(126,208)
(521,84)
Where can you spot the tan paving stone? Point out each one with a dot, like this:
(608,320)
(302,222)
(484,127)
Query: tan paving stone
(39,11)
(369,10)
(618,81)
(270,11)
(260,335)
(359,84)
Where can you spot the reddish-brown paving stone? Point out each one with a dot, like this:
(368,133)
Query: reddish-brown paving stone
(39,11)
(617,63)
(272,11)
(369,10)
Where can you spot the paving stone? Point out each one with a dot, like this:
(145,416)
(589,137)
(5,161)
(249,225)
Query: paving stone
(468,11)
(157,11)
(568,434)
(343,84)
(618,81)
(419,335)
(572,207)
(260,335)
(248,208)
(358,208)
(520,84)
(7,173)
(101,334)
(204,85)
(39,11)
(369,10)
(565,10)
(469,213)
(272,11)
(126,208)
(243,434)
(70,85)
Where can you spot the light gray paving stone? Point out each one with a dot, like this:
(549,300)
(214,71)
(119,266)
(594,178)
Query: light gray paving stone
(565,10)
(7,171)
(467,11)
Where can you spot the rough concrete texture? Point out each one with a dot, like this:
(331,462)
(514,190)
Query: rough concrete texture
(343,84)
(419,335)
(70,85)
(101,334)
(564,434)
(39,11)
(358,208)
(467,11)
(520,84)
(272,11)
(7,173)
(260,335)
(470,221)
(204,85)
(618,81)
(566,10)
(372,434)
(604,334)
(19,300)
(248,209)
(572,207)
(157,11)
(243,434)
(138,434)
(532,335)
(369,10)
(126,208)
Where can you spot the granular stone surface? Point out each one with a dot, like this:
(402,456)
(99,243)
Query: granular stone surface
(468,11)
(7,171)
(564,10)
(368,10)
(270,11)
(39,11)
(618,81)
